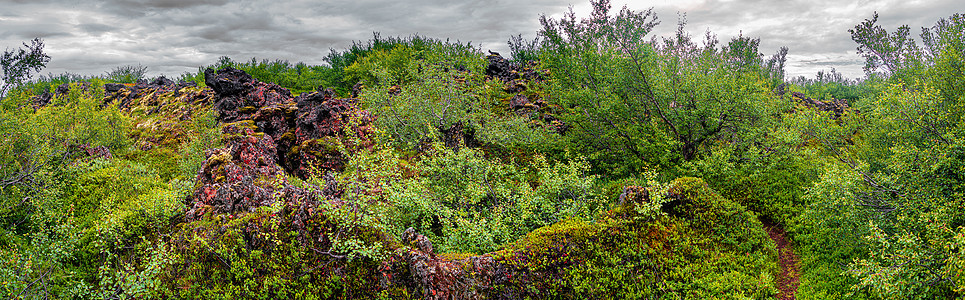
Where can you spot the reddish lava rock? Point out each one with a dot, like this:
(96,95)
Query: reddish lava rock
(244,176)
(308,129)
(227,181)
(432,277)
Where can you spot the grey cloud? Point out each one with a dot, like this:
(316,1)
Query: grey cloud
(96,29)
(176,36)
(30,33)
(139,8)
(172,3)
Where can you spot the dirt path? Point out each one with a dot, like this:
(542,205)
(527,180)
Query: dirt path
(789,278)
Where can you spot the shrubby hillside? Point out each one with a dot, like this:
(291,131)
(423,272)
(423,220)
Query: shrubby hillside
(595,162)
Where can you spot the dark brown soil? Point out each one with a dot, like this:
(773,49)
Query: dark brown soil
(789,278)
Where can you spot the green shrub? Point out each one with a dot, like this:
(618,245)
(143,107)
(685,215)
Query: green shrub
(879,223)
(699,246)
(342,60)
(634,104)
(127,74)
(440,94)
(298,77)
(465,202)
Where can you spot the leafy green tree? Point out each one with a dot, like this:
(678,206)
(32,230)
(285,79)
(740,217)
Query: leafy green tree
(19,65)
(897,55)
(522,51)
(914,193)
(634,102)
(891,51)
(892,192)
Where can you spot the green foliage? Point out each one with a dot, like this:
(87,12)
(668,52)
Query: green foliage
(207,135)
(465,202)
(362,214)
(49,82)
(771,182)
(523,52)
(946,45)
(634,103)
(126,74)
(900,55)
(342,60)
(260,256)
(394,62)
(443,97)
(702,246)
(46,139)
(173,146)
(287,249)
(64,210)
(120,207)
(18,66)
(299,77)
(885,206)
(81,224)
(918,187)
(893,51)
(833,85)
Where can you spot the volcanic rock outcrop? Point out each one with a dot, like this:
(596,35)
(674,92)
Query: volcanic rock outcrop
(125,93)
(835,106)
(434,277)
(310,131)
(518,82)
(244,175)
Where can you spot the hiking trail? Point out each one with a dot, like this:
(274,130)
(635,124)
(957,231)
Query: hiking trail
(788,279)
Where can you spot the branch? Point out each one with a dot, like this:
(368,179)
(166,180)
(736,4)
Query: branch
(34,282)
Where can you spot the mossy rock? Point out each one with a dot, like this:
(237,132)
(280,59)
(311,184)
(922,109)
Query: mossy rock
(703,246)
(238,130)
(247,109)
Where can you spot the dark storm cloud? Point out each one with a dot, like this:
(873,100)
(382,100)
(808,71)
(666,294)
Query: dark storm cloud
(176,36)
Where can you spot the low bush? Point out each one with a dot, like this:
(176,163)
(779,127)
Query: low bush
(465,202)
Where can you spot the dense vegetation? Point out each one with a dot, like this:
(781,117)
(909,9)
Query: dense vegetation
(595,162)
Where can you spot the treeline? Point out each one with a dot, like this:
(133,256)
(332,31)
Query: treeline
(570,164)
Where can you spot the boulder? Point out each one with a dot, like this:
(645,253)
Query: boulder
(500,68)
(517,81)
(308,130)
(520,101)
(239,95)
(233,179)
(228,81)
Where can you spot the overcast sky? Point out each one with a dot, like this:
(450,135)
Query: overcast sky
(175,36)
